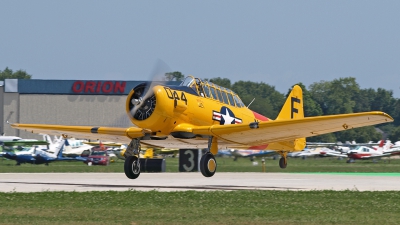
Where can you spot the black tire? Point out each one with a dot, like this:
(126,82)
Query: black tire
(282,163)
(208,165)
(132,167)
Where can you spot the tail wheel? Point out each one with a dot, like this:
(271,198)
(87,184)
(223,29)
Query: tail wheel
(283,162)
(132,167)
(208,165)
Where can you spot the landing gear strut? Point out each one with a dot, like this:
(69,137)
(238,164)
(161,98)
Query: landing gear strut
(208,164)
(132,163)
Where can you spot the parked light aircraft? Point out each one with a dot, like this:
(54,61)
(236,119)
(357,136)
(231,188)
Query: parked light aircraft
(199,114)
(37,155)
(246,153)
(16,146)
(307,152)
(9,138)
(338,146)
(364,152)
(74,148)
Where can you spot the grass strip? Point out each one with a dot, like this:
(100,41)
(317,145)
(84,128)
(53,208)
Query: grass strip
(203,207)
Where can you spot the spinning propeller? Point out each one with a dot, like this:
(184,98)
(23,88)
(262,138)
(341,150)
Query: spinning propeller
(143,101)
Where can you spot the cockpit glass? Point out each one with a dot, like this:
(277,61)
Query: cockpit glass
(231,99)
(214,94)
(225,97)
(219,95)
(206,90)
(237,101)
(187,82)
(209,90)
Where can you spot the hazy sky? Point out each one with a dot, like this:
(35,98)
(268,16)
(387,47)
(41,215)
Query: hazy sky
(276,42)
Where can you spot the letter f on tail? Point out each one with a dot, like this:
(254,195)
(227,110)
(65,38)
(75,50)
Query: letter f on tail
(293,107)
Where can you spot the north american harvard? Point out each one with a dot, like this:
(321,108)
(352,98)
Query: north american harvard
(200,114)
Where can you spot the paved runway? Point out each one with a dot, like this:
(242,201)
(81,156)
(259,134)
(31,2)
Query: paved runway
(38,182)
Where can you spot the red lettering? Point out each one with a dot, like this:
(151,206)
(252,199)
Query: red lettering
(90,86)
(119,86)
(107,87)
(77,86)
(98,86)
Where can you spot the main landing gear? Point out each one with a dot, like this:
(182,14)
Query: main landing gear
(132,163)
(208,164)
(283,160)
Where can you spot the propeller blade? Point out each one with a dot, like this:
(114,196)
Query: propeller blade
(143,95)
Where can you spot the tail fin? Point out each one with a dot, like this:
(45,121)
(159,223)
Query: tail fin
(388,145)
(381,143)
(59,147)
(293,107)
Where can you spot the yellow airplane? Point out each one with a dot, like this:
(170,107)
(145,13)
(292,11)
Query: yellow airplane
(148,153)
(199,114)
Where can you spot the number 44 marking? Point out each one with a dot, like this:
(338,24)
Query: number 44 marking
(172,94)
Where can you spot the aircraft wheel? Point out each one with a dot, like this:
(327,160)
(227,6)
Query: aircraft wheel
(208,165)
(282,163)
(132,167)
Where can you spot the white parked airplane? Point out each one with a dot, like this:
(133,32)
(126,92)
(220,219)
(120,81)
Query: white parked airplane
(364,152)
(74,148)
(36,155)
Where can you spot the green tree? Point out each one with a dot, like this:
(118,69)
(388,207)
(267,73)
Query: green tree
(327,138)
(223,82)
(9,74)
(395,135)
(319,93)
(359,135)
(177,76)
(364,100)
(311,107)
(337,96)
(395,112)
(341,94)
(383,101)
(267,101)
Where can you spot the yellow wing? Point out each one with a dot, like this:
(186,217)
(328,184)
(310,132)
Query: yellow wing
(285,130)
(116,134)
(228,135)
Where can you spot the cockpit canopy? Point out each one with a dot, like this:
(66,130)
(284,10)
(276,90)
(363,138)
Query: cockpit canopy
(210,90)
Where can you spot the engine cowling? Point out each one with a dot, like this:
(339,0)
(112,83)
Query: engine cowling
(142,102)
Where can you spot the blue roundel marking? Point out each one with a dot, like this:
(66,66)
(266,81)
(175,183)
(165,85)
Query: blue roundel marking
(227,116)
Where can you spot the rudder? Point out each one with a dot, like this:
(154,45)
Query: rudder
(293,107)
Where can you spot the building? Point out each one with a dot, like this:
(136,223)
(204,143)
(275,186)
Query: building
(67,102)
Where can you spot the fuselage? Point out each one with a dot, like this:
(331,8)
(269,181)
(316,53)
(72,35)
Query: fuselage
(363,152)
(173,109)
